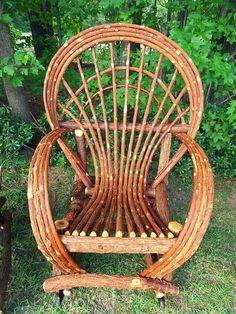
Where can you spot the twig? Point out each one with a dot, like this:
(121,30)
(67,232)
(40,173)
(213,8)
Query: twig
(232,56)
(37,125)
(208,92)
(231,96)
(33,149)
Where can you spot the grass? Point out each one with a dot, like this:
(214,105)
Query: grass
(206,281)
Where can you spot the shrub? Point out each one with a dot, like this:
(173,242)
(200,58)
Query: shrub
(217,137)
(14,133)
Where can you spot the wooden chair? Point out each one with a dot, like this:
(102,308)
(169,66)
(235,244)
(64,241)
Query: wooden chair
(127,93)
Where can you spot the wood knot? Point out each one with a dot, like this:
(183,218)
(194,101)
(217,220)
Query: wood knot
(135,282)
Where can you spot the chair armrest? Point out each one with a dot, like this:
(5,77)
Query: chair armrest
(42,222)
(198,217)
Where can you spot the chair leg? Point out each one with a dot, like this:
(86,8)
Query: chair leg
(161,300)
(61,293)
(161,296)
(150,259)
(59,298)
(169,277)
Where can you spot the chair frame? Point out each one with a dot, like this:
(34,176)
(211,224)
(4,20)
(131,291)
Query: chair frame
(174,251)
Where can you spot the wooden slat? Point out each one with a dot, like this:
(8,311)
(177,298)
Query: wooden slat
(80,143)
(180,128)
(165,154)
(162,203)
(106,281)
(161,190)
(117,245)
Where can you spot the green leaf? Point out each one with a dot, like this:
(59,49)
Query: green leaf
(232,107)
(6,18)
(25,58)
(24,71)
(5,60)
(9,69)
(17,81)
(34,70)
(18,57)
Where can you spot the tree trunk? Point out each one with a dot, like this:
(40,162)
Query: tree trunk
(168,18)
(42,30)
(58,17)
(136,19)
(182,15)
(15,96)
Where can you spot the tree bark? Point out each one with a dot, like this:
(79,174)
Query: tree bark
(15,96)
(42,30)
(58,17)
(168,18)
(182,16)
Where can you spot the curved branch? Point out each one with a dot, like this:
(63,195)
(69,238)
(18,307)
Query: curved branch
(198,217)
(42,222)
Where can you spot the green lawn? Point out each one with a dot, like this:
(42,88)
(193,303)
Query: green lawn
(206,282)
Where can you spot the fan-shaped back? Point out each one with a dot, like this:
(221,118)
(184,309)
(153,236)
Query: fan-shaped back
(125,87)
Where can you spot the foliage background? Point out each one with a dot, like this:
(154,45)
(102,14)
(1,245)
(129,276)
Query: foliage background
(205,29)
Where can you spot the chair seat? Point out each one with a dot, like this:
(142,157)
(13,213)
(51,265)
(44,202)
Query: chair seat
(95,213)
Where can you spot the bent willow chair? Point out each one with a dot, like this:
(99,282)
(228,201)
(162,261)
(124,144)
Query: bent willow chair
(124,103)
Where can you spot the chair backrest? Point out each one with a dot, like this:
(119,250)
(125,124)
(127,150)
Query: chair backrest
(126,87)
